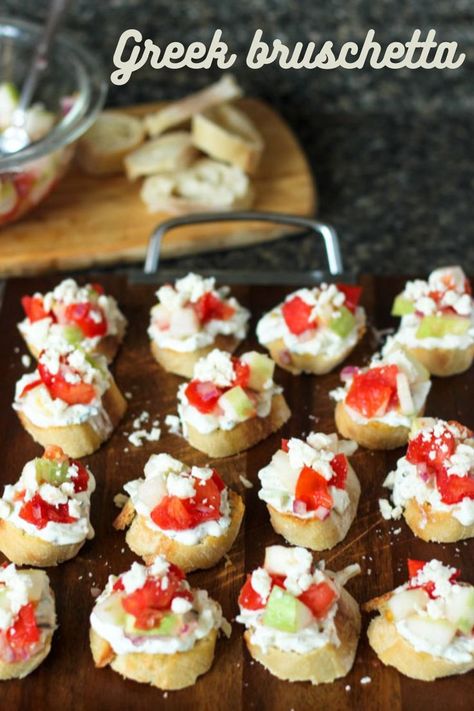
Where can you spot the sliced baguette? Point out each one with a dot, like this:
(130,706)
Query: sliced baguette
(177,113)
(439,526)
(102,149)
(149,543)
(372,434)
(183,362)
(164,154)
(226,133)
(22,548)
(205,186)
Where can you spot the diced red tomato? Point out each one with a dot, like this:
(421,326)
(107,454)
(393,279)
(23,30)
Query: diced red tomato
(205,504)
(284,445)
(118,585)
(453,488)
(81,480)
(217,479)
(313,490)
(171,514)
(414,567)
(33,308)
(90,318)
(297,315)
(374,391)
(24,182)
(98,288)
(25,632)
(242,373)
(210,307)
(39,512)
(340,467)
(319,597)
(203,395)
(72,393)
(431,451)
(150,602)
(249,599)
(352,294)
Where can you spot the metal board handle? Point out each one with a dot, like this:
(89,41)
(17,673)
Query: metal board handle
(328,233)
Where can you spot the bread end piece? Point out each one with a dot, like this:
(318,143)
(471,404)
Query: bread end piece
(104,146)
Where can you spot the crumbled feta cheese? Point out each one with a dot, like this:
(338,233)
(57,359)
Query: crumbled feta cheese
(160,566)
(180,485)
(25,360)
(203,473)
(261,583)
(173,424)
(52,495)
(180,605)
(159,464)
(135,578)
(216,367)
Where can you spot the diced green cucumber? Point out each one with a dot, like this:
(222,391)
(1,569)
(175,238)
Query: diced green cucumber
(285,612)
(344,323)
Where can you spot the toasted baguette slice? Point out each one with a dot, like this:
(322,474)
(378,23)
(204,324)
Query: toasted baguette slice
(147,543)
(444,362)
(207,185)
(298,363)
(22,548)
(373,435)
(313,533)
(321,665)
(18,670)
(104,146)
(224,443)
(226,133)
(80,440)
(439,526)
(183,362)
(168,153)
(392,649)
(178,112)
(165,671)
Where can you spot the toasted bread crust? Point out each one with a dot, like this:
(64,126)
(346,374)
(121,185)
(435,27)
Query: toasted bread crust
(79,440)
(316,534)
(148,543)
(439,526)
(321,665)
(444,362)
(372,435)
(183,362)
(392,649)
(165,671)
(22,548)
(224,443)
(297,363)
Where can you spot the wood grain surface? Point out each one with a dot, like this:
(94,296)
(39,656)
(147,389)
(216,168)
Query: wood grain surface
(68,679)
(88,221)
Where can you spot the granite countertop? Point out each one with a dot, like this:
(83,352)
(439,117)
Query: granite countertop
(392,151)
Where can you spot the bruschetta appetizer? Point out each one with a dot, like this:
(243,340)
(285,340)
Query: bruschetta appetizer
(70,400)
(191,318)
(425,627)
(27,620)
(149,625)
(302,625)
(75,315)
(437,321)
(186,513)
(433,484)
(314,330)
(377,404)
(44,517)
(231,403)
(311,490)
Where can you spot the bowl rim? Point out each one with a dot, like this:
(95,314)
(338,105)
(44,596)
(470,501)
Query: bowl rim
(82,116)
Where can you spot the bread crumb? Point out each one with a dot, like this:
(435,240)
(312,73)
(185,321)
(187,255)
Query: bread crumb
(128,395)
(120,500)
(95,592)
(366,680)
(348,687)
(25,360)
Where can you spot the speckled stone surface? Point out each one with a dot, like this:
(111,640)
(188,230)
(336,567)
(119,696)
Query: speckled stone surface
(392,150)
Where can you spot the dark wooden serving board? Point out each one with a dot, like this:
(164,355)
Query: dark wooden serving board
(68,679)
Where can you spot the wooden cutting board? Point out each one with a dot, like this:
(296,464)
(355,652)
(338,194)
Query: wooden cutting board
(68,678)
(89,221)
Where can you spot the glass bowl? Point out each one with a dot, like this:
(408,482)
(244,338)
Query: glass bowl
(72,87)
